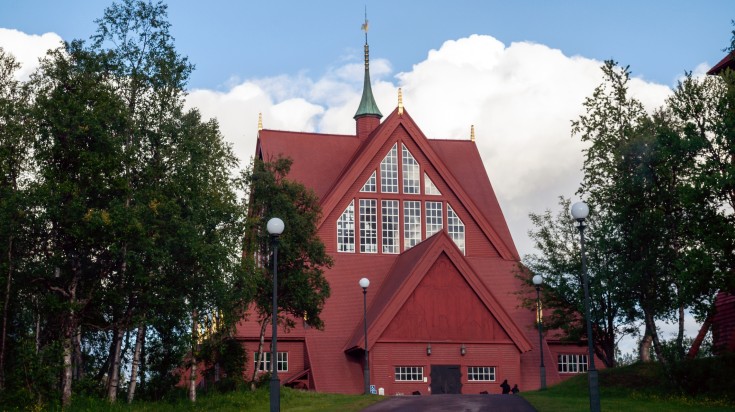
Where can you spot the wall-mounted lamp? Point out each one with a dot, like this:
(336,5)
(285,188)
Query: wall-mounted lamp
(462,350)
(428,349)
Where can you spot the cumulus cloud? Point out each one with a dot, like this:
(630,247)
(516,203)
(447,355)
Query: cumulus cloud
(27,49)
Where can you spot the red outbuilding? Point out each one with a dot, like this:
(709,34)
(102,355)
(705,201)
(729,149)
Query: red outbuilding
(419,218)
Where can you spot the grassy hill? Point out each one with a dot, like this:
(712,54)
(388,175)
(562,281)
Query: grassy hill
(702,384)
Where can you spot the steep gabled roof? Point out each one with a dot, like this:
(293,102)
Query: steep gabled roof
(408,271)
(318,159)
(464,160)
(728,62)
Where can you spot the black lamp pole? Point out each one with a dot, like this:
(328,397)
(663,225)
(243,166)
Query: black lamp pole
(537,280)
(364,283)
(275,228)
(580,212)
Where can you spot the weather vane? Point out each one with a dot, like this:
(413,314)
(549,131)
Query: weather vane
(365,25)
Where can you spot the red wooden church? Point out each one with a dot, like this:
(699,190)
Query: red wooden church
(419,218)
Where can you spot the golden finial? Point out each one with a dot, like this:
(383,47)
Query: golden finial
(260,121)
(400,102)
(472,133)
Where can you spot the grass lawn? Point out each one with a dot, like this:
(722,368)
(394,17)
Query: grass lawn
(245,400)
(629,389)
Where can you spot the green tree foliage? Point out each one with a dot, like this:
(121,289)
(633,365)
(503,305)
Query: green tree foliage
(556,237)
(122,228)
(15,166)
(661,241)
(302,288)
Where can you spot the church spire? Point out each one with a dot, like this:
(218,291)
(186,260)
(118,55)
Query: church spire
(368,107)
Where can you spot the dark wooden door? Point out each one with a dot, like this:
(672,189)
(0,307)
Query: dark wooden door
(445,379)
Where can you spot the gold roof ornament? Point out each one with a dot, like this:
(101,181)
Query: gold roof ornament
(472,133)
(260,121)
(400,102)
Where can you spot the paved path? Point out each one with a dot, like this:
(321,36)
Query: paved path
(452,403)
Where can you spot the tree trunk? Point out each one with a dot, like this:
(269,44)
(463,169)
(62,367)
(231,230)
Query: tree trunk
(114,377)
(651,329)
(193,374)
(136,361)
(680,335)
(644,349)
(67,344)
(66,377)
(260,358)
(6,304)
(78,361)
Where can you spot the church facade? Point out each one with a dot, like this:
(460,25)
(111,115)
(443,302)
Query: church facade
(418,217)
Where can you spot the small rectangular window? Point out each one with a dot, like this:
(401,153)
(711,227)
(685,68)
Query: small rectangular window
(368,226)
(391,241)
(434,218)
(409,373)
(572,363)
(481,373)
(265,365)
(346,229)
(411,224)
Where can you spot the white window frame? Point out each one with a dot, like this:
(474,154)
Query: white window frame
(370,185)
(411,223)
(429,187)
(346,229)
(265,365)
(434,217)
(572,363)
(409,373)
(456,228)
(391,226)
(389,171)
(368,226)
(411,172)
(481,373)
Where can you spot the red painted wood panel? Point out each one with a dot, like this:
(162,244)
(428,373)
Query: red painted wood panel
(723,323)
(442,308)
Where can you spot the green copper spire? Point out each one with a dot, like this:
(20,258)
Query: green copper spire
(367,107)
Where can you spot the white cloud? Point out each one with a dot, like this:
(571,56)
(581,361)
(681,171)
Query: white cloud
(27,48)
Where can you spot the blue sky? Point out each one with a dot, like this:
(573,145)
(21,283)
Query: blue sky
(241,39)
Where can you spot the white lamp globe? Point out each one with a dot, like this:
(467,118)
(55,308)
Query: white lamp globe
(275,226)
(364,283)
(580,211)
(537,280)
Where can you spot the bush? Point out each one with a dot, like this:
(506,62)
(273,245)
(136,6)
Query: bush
(710,377)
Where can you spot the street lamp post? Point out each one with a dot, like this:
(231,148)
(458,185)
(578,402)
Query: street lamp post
(537,281)
(275,228)
(364,283)
(580,212)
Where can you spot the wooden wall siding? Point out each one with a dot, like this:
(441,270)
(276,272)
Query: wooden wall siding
(296,357)
(386,356)
(723,324)
(442,308)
